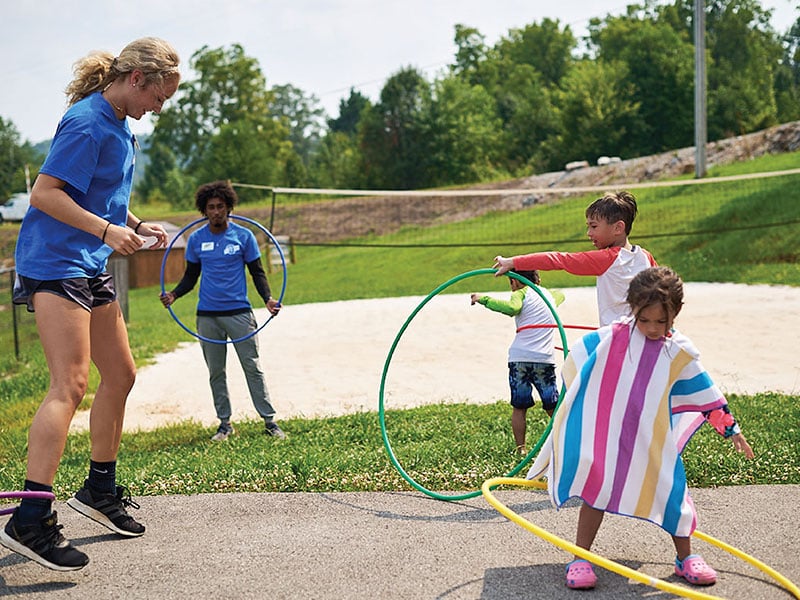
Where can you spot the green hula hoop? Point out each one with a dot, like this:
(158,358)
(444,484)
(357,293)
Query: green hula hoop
(381,404)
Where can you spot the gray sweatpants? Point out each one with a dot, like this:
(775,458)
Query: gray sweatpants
(233,327)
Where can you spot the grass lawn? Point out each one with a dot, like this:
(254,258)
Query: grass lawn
(440,446)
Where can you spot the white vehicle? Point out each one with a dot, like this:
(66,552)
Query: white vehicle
(15,208)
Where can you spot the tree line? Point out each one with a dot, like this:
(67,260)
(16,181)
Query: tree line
(535,100)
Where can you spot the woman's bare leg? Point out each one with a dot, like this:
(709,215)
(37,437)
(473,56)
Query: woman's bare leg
(111,353)
(64,332)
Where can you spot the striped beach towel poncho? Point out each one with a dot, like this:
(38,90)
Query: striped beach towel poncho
(630,407)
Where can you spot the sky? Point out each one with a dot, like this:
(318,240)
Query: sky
(323,47)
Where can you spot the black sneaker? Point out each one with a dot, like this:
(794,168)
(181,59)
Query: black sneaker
(223,431)
(108,509)
(43,543)
(271,428)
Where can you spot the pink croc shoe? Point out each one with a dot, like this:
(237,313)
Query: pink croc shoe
(695,570)
(580,575)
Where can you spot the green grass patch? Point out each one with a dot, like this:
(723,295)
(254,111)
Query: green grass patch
(447,448)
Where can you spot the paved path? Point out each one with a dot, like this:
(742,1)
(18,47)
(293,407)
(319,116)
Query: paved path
(401,545)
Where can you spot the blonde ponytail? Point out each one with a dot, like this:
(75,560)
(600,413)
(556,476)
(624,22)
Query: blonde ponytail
(154,57)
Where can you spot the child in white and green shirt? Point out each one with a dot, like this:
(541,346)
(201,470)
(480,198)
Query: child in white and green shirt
(531,360)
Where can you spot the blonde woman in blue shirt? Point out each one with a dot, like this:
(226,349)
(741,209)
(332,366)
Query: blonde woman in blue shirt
(79,215)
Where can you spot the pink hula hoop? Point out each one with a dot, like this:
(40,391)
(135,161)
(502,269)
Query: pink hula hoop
(23,495)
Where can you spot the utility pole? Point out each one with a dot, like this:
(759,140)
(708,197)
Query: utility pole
(700,129)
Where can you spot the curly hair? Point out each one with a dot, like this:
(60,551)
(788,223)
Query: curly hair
(613,207)
(654,286)
(216,189)
(154,57)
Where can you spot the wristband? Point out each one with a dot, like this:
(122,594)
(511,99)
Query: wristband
(105,231)
(136,229)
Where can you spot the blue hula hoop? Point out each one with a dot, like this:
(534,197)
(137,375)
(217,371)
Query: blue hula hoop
(382,405)
(280,298)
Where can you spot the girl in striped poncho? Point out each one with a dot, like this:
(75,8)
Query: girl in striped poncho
(636,392)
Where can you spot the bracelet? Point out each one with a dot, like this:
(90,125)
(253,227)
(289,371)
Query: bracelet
(103,239)
(136,229)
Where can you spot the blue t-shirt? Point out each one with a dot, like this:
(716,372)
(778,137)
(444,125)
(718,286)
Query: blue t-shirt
(222,258)
(93,152)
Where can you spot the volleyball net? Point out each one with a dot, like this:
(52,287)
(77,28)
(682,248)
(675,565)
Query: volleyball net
(758,205)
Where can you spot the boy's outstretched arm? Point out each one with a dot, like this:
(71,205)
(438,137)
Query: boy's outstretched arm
(510,307)
(591,262)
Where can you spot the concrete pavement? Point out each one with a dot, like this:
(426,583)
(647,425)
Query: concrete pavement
(401,545)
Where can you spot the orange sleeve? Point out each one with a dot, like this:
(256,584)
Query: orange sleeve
(593,262)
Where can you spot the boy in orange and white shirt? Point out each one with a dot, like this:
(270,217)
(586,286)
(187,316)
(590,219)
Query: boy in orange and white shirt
(615,262)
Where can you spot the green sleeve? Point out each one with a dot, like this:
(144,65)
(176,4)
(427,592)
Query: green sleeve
(558,296)
(510,307)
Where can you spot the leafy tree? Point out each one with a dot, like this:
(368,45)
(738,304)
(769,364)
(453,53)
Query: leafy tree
(302,116)
(176,189)
(528,117)
(544,46)
(463,135)
(349,113)
(223,116)
(238,153)
(787,77)
(520,72)
(161,160)
(599,112)
(392,133)
(14,156)
(792,53)
(338,162)
(229,87)
(659,62)
(471,54)
(745,53)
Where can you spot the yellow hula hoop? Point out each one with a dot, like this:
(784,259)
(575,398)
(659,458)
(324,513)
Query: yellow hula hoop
(598,560)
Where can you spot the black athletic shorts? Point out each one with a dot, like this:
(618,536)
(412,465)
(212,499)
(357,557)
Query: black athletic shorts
(86,291)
